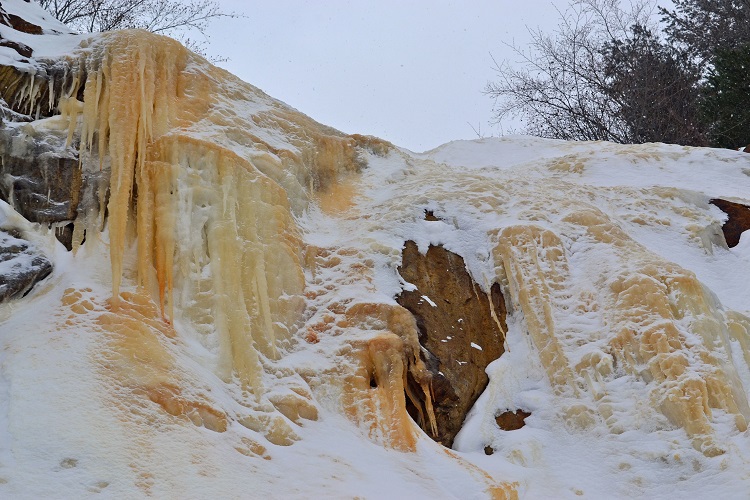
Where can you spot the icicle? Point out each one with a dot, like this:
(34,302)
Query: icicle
(30,97)
(51,93)
(18,98)
(429,398)
(27,92)
(11,195)
(493,313)
(79,228)
(245,275)
(70,108)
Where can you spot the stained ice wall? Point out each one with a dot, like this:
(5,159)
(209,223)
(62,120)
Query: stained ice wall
(206,198)
(662,326)
(217,224)
(198,213)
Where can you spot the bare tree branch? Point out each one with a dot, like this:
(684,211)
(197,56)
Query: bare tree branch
(169,17)
(601,75)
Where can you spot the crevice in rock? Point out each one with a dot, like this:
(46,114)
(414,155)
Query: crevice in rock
(461,330)
(64,235)
(738,221)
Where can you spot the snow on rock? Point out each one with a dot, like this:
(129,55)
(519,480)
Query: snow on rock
(227,313)
(20,266)
(22,263)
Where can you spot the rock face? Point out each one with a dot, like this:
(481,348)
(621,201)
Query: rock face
(40,174)
(461,331)
(21,266)
(738,221)
(41,178)
(18,24)
(31,82)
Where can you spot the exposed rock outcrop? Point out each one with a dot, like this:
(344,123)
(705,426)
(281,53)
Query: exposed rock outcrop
(508,421)
(30,81)
(19,24)
(512,420)
(461,331)
(40,173)
(738,221)
(21,266)
(42,180)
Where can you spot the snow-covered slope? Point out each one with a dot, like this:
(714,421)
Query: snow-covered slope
(227,325)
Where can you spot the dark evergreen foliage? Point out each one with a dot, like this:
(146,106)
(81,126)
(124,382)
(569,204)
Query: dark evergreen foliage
(726,102)
(608,73)
(603,75)
(703,27)
(656,87)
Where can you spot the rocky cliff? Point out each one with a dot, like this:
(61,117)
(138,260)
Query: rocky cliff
(221,295)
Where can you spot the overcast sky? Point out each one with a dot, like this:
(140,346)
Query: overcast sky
(409,71)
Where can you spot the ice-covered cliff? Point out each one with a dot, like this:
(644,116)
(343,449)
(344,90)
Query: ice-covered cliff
(254,304)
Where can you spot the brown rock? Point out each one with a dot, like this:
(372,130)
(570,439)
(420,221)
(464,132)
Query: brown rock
(430,216)
(14,84)
(19,47)
(39,74)
(19,24)
(512,420)
(40,175)
(738,221)
(460,334)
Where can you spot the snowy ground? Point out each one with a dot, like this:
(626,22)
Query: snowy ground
(60,435)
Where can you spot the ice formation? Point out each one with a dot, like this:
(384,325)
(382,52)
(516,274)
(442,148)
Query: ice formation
(228,313)
(214,225)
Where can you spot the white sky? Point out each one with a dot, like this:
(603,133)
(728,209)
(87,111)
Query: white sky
(409,71)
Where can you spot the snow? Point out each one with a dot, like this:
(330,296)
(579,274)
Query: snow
(332,457)
(34,14)
(57,40)
(548,457)
(598,248)
(429,301)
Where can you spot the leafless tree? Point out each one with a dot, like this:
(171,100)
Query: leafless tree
(602,75)
(168,17)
